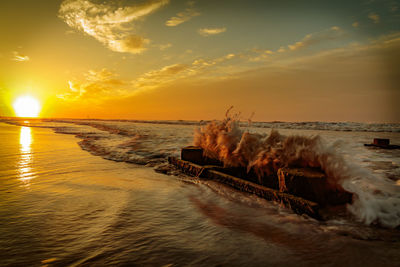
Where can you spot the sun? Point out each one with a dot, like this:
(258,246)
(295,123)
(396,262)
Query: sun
(26,106)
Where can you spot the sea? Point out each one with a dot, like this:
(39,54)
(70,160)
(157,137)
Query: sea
(89,193)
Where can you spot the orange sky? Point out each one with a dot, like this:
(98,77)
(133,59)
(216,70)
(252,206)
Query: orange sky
(161,59)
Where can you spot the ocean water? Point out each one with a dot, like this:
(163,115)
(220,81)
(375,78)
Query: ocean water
(60,205)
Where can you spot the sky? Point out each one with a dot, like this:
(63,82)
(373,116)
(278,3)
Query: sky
(273,60)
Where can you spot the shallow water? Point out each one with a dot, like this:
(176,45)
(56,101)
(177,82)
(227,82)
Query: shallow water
(60,205)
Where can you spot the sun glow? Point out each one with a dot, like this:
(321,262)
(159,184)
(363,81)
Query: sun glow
(26,106)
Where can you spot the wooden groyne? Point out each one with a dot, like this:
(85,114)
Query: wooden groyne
(303,190)
(297,204)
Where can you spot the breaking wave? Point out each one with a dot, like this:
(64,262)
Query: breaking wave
(376,200)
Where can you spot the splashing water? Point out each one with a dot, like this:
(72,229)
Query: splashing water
(376,200)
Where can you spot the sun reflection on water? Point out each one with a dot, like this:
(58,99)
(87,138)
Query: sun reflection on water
(25,139)
(24,164)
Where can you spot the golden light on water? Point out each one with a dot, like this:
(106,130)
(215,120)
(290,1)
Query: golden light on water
(24,164)
(26,106)
(25,140)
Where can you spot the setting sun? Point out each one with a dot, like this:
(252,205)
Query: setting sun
(26,106)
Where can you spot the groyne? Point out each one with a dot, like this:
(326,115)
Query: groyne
(304,190)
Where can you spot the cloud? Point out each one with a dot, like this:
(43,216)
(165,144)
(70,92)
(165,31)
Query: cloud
(281,49)
(374,17)
(164,46)
(332,33)
(134,44)
(18,57)
(260,55)
(167,71)
(109,23)
(95,85)
(171,73)
(164,75)
(383,52)
(315,38)
(184,16)
(211,31)
(201,63)
(355,24)
(102,84)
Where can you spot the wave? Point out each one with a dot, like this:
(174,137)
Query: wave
(332,126)
(144,144)
(313,125)
(376,200)
(307,125)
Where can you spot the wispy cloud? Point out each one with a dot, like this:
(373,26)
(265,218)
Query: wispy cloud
(330,34)
(164,75)
(18,57)
(109,23)
(281,49)
(261,54)
(318,37)
(183,16)
(374,17)
(268,55)
(171,73)
(355,24)
(211,31)
(201,63)
(95,84)
(357,56)
(102,84)
(164,46)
